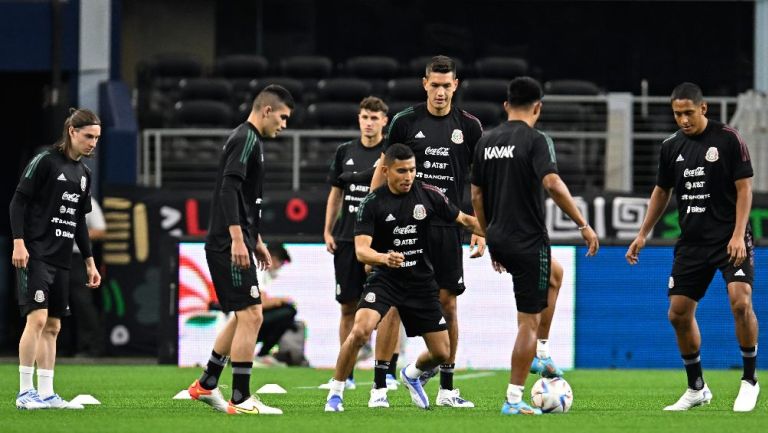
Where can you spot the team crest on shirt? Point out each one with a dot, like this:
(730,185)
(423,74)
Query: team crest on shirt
(457,136)
(419,212)
(254,292)
(82,183)
(370,297)
(712,154)
(39,296)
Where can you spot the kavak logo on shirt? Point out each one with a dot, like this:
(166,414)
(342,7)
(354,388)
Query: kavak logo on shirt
(419,212)
(457,136)
(712,154)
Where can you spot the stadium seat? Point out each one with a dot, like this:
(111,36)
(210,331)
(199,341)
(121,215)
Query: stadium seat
(571,87)
(339,115)
(484,89)
(294,86)
(490,114)
(158,85)
(316,67)
(201,114)
(406,89)
(372,67)
(214,89)
(505,68)
(343,90)
(239,66)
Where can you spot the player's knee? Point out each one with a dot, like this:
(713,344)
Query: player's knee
(440,353)
(251,316)
(52,328)
(678,318)
(741,307)
(36,322)
(449,306)
(360,335)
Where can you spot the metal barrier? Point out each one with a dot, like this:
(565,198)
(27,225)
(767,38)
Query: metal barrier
(606,141)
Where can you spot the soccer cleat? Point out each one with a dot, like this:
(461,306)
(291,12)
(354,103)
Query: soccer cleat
(451,398)
(211,397)
(335,404)
(30,400)
(429,374)
(348,384)
(392,383)
(252,406)
(521,408)
(691,398)
(56,402)
(747,397)
(418,396)
(545,367)
(378,398)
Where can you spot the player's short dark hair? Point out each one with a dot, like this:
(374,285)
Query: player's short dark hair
(688,91)
(272,95)
(441,65)
(372,103)
(278,250)
(397,151)
(523,92)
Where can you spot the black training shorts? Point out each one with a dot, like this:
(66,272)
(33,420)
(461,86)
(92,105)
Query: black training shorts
(420,310)
(236,288)
(530,275)
(350,274)
(445,253)
(42,285)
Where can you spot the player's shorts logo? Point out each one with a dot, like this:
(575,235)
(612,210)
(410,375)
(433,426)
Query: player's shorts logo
(712,154)
(457,136)
(39,296)
(254,292)
(419,212)
(370,297)
(671,282)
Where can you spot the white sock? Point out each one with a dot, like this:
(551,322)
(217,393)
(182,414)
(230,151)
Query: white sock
(337,388)
(412,372)
(25,378)
(44,382)
(515,393)
(542,348)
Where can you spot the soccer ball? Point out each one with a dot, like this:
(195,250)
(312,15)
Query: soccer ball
(552,395)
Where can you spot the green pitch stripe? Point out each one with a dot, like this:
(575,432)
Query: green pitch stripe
(248,148)
(33,165)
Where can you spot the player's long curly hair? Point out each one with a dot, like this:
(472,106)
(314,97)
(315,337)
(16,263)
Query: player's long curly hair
(78,118)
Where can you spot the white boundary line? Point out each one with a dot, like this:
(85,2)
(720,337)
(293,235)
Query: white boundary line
(458,377)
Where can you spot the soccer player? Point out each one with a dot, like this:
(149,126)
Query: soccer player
(513,164)
(232,242)
(443,138)
(47,215)
(356,157)
(391,232)
(708,166)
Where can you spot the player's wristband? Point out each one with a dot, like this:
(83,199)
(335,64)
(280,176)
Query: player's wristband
(583,227)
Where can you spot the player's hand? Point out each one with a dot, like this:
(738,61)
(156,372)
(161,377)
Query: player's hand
(330,243)
(634,250)
(394,259)
(478,244)
(262,256)
(368,269)
(590,238)
(240,257)
(94,278)
(737,251)
(20,256)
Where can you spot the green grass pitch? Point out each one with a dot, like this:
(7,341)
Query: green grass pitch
(139,399)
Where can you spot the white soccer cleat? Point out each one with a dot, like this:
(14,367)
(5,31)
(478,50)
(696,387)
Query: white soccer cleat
(451,398)
(56,402)
(252,406)
(692,398)
(378,398)
(211,397)
(30,400)
(747,397)
(392,383)
(348,384)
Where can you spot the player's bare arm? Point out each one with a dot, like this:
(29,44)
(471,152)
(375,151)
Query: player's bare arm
(332,209)
(737,250)
(378,174)
(656,204)
(369,256)
(562,197)
(263,258)
(470,223)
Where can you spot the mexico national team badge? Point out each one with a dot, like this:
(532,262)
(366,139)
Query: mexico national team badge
(457,136)
(82,183)
(370,298)
(39,296)
(712,154)
(419,212)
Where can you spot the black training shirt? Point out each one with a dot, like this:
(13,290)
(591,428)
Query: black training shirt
(352,157)
(58,195)
(510,162)
(243,157)
(443,146)
(703,170)
(400,223)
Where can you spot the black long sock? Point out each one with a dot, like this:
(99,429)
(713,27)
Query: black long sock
(693,370)
(446,376)
(210,377)
(380,374)
(393,365)
(749,355)
(241,381)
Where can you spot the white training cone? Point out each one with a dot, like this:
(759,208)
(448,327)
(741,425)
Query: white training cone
(271,388)
(85,399)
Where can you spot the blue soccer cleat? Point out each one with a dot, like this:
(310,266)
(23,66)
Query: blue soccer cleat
(418,396)
(521,408)
(30,400)
(545,367)
(334,404)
